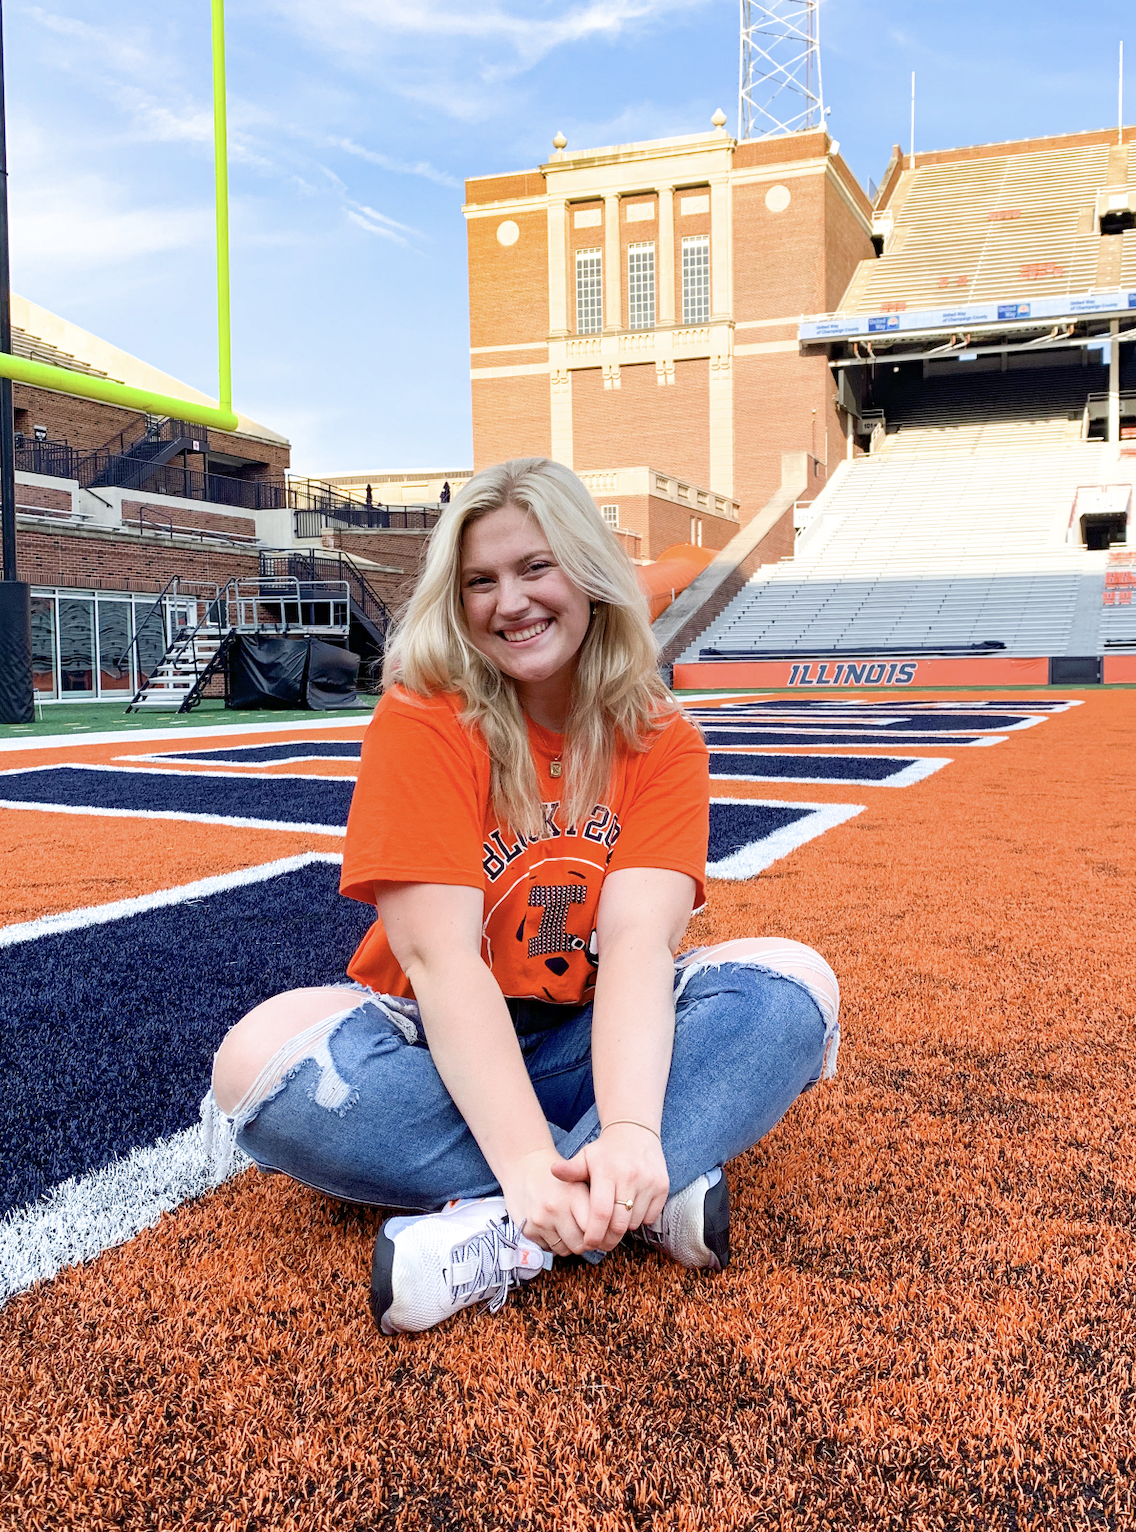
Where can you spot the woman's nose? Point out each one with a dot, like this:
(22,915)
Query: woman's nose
(512,598)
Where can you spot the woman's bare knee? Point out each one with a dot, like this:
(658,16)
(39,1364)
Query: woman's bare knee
(248,1046)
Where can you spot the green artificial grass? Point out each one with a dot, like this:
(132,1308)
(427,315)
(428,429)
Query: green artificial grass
(81,718)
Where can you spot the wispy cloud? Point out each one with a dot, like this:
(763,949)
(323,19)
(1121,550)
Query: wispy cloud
(379,224)
(470,46)
(528,28)
(115,46)
(400,167)
(374,228)
(84,222)
(381,218)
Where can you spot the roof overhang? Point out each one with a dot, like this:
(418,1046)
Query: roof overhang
(1061,320)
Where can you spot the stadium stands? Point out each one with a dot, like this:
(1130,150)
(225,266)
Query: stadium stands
(998,470)
(997,226)
(922,548)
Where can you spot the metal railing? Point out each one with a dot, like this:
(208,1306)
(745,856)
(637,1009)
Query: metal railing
(55,459)
(90,469)
(191,484)
(243,540)
(392,518)
(175,587)
(281,603)
(316,507)
(155,428)
(330,564)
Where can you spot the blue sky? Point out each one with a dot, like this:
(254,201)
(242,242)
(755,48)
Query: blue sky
(353,124)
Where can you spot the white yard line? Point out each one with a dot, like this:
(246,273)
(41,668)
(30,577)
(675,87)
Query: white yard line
(749,860)
(225,731)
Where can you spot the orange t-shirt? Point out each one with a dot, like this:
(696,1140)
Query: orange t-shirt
(421,813)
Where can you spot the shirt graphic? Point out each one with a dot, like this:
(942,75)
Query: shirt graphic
(422,814)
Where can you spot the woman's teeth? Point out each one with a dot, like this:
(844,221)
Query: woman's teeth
(519,636)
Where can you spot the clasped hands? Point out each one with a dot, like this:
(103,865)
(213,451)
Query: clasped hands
(579,1204)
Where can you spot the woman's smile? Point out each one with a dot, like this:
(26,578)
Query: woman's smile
(522,635)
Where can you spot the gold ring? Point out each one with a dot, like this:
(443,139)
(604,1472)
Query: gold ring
(620,1203)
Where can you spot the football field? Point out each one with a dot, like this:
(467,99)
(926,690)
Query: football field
(928,1320)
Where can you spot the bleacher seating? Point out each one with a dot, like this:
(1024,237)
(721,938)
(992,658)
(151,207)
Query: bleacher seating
(1007,226)
(958,529)
(971,410)
(922,548)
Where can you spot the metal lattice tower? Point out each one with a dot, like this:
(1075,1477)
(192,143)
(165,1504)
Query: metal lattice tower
(779,87)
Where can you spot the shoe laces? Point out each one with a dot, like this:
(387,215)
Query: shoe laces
(479,1268)
(650,1235)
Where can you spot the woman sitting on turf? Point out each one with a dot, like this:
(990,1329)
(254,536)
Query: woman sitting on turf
(522,1054)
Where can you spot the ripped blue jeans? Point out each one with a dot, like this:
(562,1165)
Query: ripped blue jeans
(355,1108)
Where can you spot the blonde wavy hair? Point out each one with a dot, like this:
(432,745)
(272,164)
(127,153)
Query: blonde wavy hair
(618,695)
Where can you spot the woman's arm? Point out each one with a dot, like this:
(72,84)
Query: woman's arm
(643,913)
(434,931)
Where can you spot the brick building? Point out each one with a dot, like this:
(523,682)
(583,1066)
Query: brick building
(638,305)
(111,504)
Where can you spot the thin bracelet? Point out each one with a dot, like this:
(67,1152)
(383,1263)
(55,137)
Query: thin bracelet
(629,1122)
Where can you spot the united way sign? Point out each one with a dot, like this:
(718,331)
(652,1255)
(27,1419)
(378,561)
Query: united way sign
(970,316)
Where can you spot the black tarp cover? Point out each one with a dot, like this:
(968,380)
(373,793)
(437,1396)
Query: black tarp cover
(290,673)
(267,672)
(332,673)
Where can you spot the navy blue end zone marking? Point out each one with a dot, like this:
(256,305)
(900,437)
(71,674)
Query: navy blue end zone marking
(266,755)
(318,803)
(877,770)
(755,737)
(892,704)
(737,825)
(892,721)
(109,1032)
(748,835)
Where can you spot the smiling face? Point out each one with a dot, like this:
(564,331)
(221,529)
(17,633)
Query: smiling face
(523,611)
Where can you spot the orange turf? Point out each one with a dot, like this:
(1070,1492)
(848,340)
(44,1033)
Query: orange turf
(928,1320)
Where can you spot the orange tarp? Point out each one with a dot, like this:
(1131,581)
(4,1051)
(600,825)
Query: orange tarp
(671,573)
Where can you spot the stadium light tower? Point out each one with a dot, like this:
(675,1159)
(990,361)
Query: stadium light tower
(779,85)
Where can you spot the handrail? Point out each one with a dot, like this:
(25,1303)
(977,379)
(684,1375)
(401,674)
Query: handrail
(256,592)
(138,626)
(236,539)
(370,603)
(364,517)
(183,640)
(155,428)
(171,587)
(58,460)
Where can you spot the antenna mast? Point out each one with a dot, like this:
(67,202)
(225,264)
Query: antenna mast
(779,85)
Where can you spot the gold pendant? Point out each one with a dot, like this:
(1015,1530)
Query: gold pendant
(555,769)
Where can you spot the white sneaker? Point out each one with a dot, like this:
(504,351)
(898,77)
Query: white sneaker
(694,1226)
(428,1266)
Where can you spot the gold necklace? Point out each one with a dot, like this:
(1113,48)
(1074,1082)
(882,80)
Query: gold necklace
(555,768)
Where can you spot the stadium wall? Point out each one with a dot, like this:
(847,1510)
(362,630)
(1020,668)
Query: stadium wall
(95,559)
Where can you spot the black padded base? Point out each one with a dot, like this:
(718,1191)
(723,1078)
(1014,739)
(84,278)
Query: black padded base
(17,703)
